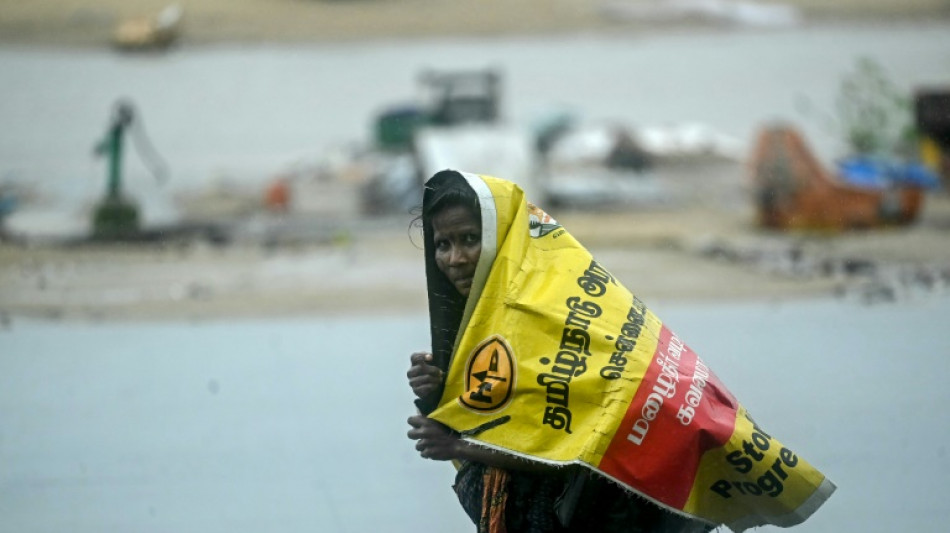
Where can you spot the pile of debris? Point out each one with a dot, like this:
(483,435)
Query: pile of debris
(860,279)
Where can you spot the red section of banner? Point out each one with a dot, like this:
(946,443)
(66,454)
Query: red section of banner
(680,411)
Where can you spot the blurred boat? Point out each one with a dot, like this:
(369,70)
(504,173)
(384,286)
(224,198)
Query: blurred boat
(795,191)
(599,165)
(457,124)
(149,33)
(492,149)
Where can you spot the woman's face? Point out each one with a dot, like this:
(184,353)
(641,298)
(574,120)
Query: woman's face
(458,243)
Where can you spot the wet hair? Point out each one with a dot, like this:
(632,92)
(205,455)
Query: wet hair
(446,193)
(446,305)
(446,189)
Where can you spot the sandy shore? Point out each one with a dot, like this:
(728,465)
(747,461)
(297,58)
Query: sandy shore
(91,22)
(686,254)
(702,247)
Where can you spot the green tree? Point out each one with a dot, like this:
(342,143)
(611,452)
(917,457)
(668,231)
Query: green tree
(873,113)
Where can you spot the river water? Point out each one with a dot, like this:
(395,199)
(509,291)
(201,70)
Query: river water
(299,425)
(249,112)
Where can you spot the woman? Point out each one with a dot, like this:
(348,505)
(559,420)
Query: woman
(499,491)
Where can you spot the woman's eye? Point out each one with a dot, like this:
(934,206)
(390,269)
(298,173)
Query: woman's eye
(472,238)
(441,245)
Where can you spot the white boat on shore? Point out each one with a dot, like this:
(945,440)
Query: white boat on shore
(150,32)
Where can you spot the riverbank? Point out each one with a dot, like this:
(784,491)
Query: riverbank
(92,22)
(694,254)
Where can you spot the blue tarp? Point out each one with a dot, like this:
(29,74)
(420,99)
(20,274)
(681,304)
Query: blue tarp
(882,173)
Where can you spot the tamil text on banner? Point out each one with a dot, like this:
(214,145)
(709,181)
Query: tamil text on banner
(556,361)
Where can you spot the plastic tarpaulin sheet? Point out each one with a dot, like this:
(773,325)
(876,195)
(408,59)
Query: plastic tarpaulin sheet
(557,362)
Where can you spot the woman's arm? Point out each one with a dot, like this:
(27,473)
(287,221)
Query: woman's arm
(437,442)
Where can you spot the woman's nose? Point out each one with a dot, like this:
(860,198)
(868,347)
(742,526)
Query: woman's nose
(456,255)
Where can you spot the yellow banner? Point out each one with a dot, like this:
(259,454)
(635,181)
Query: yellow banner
(556,361)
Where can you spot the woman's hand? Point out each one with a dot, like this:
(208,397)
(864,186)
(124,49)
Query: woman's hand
(424,378)
(434,440)
(438,442)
